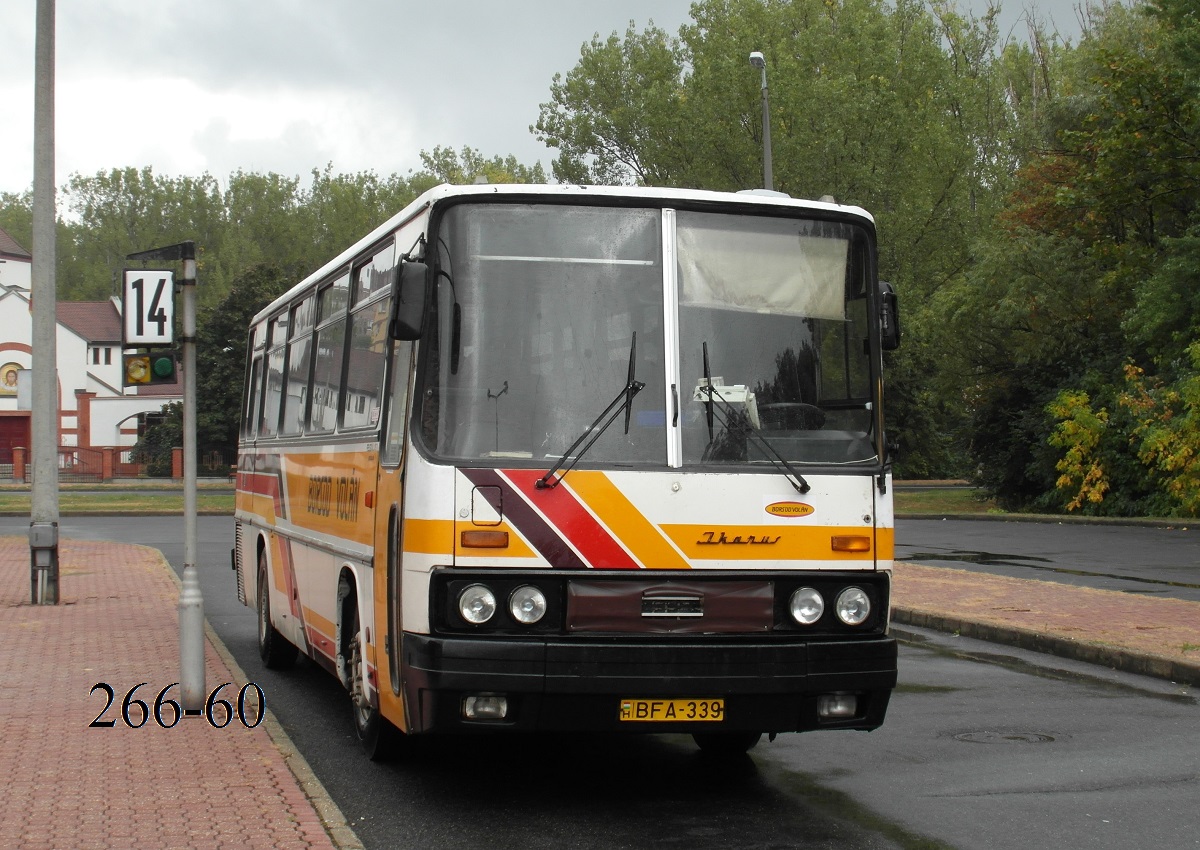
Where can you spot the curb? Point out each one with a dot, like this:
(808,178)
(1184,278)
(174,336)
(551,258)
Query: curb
(336,826)
(1181,523)
(1144,664)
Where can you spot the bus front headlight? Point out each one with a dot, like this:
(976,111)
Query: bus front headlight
(853,606)
(807,605)
(527,605)
(476,604)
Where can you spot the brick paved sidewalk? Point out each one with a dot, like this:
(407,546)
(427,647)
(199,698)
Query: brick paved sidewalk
(1139,634)
(65,785)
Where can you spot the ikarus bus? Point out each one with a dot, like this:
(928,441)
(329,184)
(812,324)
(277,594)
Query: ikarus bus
(580,458)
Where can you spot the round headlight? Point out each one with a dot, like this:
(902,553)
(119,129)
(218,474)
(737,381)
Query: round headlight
(527,604)
(477,604)
(807,606)
(853,606)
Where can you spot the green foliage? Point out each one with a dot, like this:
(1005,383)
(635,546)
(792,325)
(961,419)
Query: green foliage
(1079,432)
(16,217)
(221,352)
(1166,430)
(154,448)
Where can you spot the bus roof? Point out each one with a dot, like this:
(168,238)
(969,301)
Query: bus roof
(557,192)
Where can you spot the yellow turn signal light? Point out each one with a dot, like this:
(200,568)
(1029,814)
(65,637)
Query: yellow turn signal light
(484,539)
(850,544)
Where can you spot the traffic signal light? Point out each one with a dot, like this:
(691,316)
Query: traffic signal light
(155,367)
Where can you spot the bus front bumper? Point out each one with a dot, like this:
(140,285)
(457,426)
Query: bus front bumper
(580,685)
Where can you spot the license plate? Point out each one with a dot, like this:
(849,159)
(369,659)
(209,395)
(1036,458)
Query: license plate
(673,710)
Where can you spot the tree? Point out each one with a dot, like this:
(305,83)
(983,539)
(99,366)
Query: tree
(16,217)
(443,165)
(221,351)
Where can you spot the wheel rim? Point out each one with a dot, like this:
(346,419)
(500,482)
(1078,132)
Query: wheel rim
(264,609)
(358,691)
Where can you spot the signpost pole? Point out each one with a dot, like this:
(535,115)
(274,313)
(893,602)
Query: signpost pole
(153,323)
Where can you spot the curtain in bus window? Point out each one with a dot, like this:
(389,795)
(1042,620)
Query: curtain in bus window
(363,398)
(763,265)
(327,376)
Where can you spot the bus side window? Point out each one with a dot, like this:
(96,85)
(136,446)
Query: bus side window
(253,399)
(298,361)
(393,448)
(330,353)
(274,384)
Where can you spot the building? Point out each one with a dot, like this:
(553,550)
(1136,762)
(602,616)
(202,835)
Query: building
(95,411)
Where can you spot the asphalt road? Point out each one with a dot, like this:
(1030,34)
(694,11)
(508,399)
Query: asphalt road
(984,747)
(1145,560)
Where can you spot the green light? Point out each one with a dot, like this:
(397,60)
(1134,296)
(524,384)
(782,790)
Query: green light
(163,367)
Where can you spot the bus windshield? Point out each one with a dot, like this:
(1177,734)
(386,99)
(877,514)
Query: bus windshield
(754,344)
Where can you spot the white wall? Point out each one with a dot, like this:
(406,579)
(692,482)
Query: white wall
(108,415)
(16,273)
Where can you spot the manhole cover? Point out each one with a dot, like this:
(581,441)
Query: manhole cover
(986,737)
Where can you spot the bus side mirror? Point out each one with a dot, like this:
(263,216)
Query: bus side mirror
(889,317)
(408,310)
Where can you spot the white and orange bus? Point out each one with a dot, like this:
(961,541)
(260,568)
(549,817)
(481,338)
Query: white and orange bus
(579,458)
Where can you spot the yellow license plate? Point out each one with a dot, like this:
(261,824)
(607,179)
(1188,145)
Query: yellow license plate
(673,710)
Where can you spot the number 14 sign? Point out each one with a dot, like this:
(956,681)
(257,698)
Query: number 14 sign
(149,307)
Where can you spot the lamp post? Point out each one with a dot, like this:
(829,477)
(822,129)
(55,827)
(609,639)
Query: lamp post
(760,62)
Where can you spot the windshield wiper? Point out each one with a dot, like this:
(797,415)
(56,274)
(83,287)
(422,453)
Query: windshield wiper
(727,421)
(623,401)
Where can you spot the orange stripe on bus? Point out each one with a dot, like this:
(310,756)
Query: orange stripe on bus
(615,510)
(767,542)
(316,621)
(429,536)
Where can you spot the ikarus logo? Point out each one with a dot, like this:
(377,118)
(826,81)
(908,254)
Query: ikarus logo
(789,509)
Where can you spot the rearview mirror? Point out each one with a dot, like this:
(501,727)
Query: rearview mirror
(408,310)
(889,317)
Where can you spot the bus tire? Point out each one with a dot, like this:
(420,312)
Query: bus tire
(380,740)
(726,744)
(276,651)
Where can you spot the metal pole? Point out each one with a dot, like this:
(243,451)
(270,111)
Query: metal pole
(43,526)
(768,175)
(191,602)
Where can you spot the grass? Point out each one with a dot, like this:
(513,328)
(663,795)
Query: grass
(943,500)
(151,501)
(82,499)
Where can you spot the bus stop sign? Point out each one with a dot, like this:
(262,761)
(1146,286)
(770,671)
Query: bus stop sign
(148,308)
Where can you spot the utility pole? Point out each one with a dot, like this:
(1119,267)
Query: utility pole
(43,515)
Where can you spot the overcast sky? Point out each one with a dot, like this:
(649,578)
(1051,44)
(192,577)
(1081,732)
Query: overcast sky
(291,85)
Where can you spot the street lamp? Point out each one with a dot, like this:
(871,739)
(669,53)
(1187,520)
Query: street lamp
(760,62)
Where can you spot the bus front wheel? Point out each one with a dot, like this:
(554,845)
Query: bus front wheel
(378,737)
(276,651)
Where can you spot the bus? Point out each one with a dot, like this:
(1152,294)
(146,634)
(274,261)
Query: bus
(579,459)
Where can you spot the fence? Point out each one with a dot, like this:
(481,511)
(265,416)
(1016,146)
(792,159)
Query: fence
(84,465)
